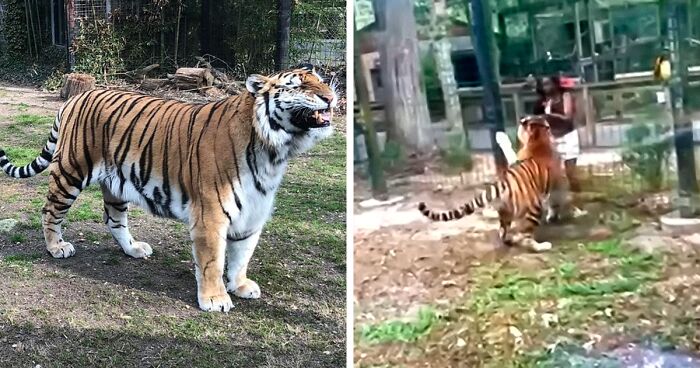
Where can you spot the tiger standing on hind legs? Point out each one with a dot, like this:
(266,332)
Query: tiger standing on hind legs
(522,191)
(214,166)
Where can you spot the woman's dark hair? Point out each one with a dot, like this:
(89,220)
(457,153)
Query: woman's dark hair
(556,81)
(538,109)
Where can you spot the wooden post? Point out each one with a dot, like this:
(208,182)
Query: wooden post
(590,118)
(518,106)
(375,163)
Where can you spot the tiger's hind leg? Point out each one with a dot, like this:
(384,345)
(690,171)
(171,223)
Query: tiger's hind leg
(115,217)
(63,190)
(505,216)
(526,238)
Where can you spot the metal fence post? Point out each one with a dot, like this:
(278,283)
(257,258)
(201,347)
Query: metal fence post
(486,61)
(682,125)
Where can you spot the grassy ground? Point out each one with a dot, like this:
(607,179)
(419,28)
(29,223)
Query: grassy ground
(531,309)
(102,308)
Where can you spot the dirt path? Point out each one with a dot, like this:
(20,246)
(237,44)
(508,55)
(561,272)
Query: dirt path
(450,295)
(103,308)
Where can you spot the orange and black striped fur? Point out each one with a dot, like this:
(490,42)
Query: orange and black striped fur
(520,193)
(214,166)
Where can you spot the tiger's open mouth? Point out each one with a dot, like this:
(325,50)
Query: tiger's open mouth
(314,119)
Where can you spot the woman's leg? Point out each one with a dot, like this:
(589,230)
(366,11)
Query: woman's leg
(570,168)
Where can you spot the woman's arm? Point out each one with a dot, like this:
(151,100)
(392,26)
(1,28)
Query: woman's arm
(568,103)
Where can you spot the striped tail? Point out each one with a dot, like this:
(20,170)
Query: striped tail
(40,163)
(494,191)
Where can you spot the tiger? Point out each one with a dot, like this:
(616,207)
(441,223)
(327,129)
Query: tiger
(213,166)
(521,191)
(558,206)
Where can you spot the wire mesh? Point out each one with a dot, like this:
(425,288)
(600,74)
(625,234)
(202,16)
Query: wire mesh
(2,21)
(318,33)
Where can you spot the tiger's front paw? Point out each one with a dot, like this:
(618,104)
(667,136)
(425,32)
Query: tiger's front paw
(138,250)
(61,250)
(248,289)
(215,303)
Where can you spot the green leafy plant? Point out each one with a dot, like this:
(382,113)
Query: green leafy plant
(54,81)
(646,153)
(405,331)
(393,155)
(97,49)
(457,154)
(433,88)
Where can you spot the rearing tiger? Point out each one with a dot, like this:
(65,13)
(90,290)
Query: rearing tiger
(522,190)
(215,166)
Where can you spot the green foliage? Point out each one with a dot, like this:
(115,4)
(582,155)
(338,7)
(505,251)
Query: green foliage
(54,81)
(13,30)
(393,155)
(313,21)
(457,155)
(33,120)
(404,331)
(433,88)
(646,154)
(97,49)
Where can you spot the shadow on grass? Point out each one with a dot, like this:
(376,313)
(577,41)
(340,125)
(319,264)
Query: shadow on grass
(26,346)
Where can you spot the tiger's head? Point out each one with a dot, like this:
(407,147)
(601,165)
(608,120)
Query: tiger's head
(535,136)
(293,104)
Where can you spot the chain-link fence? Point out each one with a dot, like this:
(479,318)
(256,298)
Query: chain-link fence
(2,22)
(623,115)
(318,33)
(237,36)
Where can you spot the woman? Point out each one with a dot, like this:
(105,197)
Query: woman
(557,105)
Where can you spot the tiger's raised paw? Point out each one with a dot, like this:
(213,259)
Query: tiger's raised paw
(215,303)
(248,289)
(138,250)
(62,250)
(502,139)
(541,247)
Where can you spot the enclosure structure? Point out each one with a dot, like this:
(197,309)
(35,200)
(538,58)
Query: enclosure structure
(625,117)
(237,35)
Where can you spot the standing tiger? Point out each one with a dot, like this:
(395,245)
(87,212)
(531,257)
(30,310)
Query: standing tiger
(214,166)
(521,192)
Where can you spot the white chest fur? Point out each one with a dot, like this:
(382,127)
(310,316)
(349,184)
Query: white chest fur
(256,194)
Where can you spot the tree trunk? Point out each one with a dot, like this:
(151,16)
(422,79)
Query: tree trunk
(404,100)
(284,18)
(442,52)
(76,83)
(205,27)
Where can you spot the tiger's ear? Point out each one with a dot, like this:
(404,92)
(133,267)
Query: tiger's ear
(307,66)
(255,82)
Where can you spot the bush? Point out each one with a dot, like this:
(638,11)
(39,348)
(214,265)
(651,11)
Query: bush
(433,88)
(97,49)
(457,155)
(646,153)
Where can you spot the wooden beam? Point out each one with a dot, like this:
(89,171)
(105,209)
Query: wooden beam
(590,121)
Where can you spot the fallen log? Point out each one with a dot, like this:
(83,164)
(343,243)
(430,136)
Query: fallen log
(204,75)
(154,84)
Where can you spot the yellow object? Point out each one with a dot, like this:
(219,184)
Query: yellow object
(662,69)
